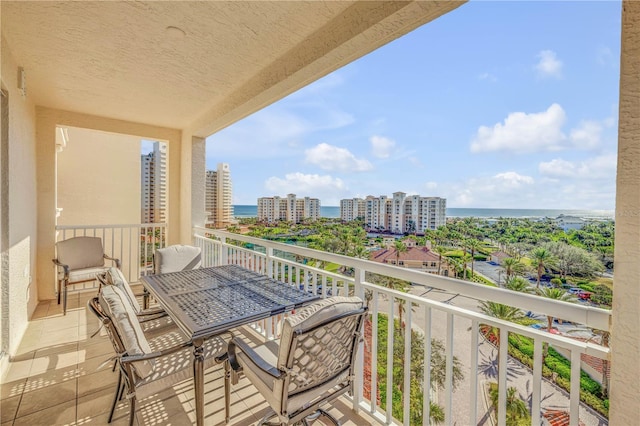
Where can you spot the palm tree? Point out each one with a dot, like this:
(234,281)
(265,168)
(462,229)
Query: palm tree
(465,258)
(512,266)
(500,311)
(399,248)
(555,294)
(517,409)
(473,245)
(541,259)
(440,250)
(518,284)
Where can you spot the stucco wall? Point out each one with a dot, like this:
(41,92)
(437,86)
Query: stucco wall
(625,330)
(19,293)
(97,171)
(47,122)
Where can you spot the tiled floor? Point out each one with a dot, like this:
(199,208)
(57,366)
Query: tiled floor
(61,376)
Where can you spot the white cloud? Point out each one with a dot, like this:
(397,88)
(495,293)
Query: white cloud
(431,185)
(487,76)
(602,167)
(325,187)
(499,190)
(604,56)
(537,132)
(415,162)
(522,132)
(549,65)
(381,147)
(586,135)
(330,157)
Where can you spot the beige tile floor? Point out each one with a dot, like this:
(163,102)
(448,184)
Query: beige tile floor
(58,378)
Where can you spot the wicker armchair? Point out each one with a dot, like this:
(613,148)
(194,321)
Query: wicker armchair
(310,366)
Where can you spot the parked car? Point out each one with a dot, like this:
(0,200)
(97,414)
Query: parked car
(575,290)
(584,295)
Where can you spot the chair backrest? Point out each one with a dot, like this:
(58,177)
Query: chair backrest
(176,258)
(318,344)
(124,329)
(114,276)
(81,252)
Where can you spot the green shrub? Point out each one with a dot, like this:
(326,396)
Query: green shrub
(480,257)
(557,282)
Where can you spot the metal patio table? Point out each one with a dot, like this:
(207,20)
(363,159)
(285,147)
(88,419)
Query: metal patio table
(209,301)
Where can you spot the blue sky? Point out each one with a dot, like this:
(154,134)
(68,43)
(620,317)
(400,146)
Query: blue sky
(496,104)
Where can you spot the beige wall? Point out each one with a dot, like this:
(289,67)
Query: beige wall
(19,292)
(625,331)
(97,171)
(47,122)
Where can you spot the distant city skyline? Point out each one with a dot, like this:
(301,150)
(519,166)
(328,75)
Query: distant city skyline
(496,104)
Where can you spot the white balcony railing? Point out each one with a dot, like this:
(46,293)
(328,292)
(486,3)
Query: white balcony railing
(458,327)
(133,244)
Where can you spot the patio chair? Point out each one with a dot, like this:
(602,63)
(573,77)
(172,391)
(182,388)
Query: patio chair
(176,258)
(79,260)
(149,363)
(310,366)
(150,318)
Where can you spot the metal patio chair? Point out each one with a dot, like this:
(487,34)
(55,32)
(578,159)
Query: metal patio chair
(149,362)
(310,366)
(79,260)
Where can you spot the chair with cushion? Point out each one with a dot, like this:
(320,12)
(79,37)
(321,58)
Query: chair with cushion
(176,258)
(310,366)
(154,317)
(79,260)
(151,362)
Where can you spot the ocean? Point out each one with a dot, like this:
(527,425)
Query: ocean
(241,211)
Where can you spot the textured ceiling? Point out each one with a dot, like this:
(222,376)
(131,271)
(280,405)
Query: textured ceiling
(120,60)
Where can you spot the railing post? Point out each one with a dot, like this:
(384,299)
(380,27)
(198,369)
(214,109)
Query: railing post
(358,382)
(224,251)
(269,261)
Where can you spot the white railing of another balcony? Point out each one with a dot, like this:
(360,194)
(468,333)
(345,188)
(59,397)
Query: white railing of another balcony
(431,318)
(133,244)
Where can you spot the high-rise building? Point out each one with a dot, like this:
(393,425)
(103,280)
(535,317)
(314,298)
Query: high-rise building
(398,214)
(292,209)
(153,185)
(219,197)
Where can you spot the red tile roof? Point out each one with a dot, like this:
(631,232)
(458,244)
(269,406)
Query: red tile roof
(421,254)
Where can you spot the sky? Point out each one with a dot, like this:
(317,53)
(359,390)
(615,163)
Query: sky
(494,105)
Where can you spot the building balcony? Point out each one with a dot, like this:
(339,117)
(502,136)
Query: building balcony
(185,103)
(59,375)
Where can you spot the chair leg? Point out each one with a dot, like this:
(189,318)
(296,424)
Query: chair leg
(329,416)
(116,397)
(59,290)
(64,300)
(227,391)
(132,407)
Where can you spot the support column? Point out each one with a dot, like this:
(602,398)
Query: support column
(192,186)
(625,337)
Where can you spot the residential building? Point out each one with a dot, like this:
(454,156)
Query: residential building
(567,222)
(219,197)
(398,214)
(352,209)
(291,209)
(416,257)
(153,184)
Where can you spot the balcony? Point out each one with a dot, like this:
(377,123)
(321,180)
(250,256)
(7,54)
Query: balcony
(185,103)
(58,370)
